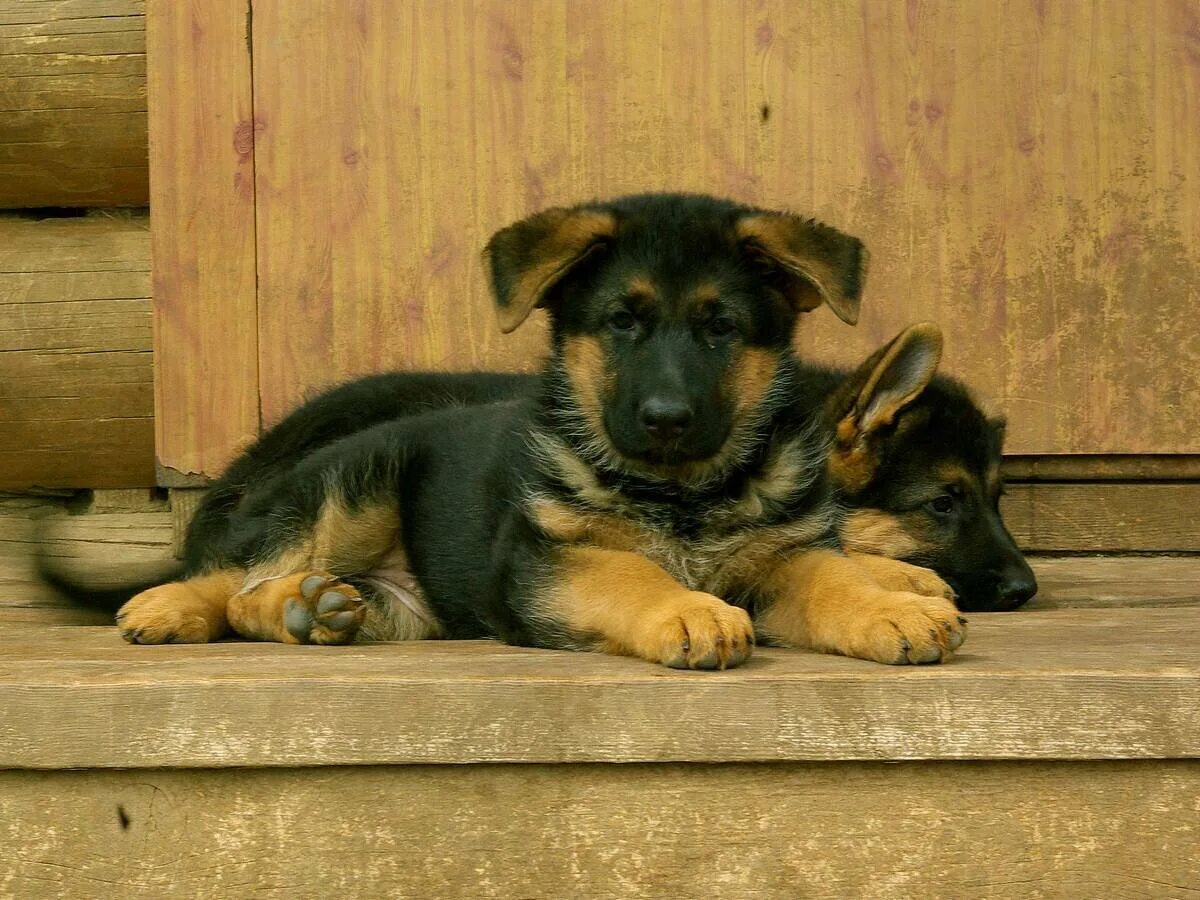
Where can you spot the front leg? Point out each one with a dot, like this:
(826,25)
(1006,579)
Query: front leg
(621,602)
(828,602)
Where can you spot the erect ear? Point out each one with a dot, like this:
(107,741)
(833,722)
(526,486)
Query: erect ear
(822,265)
(890,380)
(528,258)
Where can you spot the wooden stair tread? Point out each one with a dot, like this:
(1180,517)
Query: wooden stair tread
(1057,684)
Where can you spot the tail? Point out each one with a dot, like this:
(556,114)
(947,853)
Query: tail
(105,599)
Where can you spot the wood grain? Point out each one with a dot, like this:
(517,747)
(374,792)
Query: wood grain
(1057,684)
(73,104)
(1097,582)
(76,370)
(1024,176)
(202,191)
(1098,518)
(869,830)
(103,548)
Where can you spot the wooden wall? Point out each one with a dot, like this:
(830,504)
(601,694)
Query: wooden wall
(76,370)
(73,103)
(1023,172)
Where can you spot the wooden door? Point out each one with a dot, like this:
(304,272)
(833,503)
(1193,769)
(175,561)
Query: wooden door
(1024,173)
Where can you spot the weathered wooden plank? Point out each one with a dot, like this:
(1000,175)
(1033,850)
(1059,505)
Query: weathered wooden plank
(202,189)
(76,370)
(1058,684)
(1142,467)
(1018,175)
(869,830)
(1100,518)
(1097,582)
(106,546)
(73,104)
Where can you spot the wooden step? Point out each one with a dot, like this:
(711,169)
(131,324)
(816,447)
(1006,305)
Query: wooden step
(1059,684)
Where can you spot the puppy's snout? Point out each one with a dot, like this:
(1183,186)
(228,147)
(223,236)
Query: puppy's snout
(1017,586)
(665,418)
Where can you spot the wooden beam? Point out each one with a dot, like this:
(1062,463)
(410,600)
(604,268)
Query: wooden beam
(1097,582)
(1059,684)
(1000,831)
(1146,467)
(1100,518)
(202,191)
(73,104)
(76,369)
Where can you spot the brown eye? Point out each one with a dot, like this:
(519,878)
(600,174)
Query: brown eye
(942,505)
(722,326)
(622,320)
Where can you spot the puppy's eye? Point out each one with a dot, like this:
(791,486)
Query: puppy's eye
(943,505)
(622,320)
(722,326)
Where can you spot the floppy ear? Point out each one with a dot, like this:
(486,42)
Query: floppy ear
(528,258)
(878,391)
(822,265)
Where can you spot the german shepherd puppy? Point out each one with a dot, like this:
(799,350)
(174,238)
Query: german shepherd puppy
(667,480)
(923,488)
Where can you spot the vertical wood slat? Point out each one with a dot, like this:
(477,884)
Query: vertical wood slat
(1023,174)
(202,233)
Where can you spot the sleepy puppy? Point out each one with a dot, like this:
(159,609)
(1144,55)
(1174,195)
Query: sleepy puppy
(667,479)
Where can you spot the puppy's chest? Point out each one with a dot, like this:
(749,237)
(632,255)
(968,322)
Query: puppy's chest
(723,557)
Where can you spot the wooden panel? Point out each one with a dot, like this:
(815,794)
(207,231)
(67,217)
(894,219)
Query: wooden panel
(1088,581)
(202,191)
(954,830)
(73,104)
(1057,684)
(1157,467)
(1104,517)
(1023,176)
(76,371)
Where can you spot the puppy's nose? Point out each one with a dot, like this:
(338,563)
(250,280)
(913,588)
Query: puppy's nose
(1017,587)
(665,417)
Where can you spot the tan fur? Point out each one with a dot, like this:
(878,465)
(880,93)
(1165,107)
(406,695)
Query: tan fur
(623,603)
(726,565)
(576,231)
(585,365)
(705,294)
(181,612)
(878,532)
(789,241)
(828,602)
(749,377)
(896,575)
(642,288)
(958,476)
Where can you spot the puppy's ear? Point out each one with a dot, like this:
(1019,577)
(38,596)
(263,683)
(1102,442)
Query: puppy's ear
(821,264)
(878,391)
(528,258)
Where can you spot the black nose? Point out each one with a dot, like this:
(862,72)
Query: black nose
(1017,588)
(665,417)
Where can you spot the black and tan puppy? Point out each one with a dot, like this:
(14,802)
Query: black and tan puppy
(921,473)
(667,480)
(922,483)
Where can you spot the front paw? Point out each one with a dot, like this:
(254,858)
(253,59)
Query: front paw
(901,628)
(700,631)
(896,575)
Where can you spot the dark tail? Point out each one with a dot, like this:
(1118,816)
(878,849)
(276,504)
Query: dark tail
(105,599)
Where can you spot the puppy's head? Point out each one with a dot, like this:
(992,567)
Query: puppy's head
(920,461)
(671,316)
